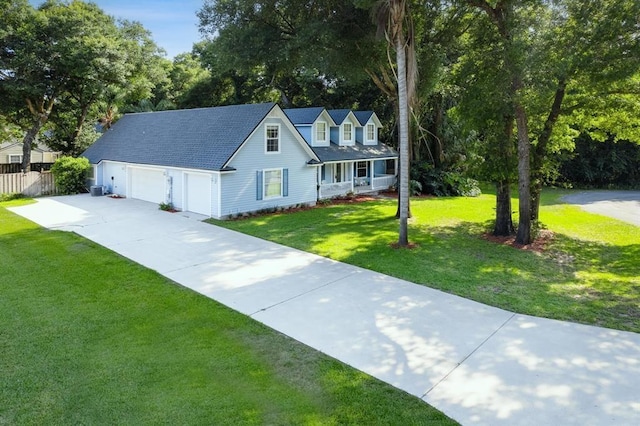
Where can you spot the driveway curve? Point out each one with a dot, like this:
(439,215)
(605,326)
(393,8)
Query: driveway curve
(622,205)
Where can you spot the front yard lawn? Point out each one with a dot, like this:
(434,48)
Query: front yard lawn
(89,337)
(589,273)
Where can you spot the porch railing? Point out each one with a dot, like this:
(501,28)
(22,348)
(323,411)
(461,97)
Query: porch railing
(328,190)
(383,182)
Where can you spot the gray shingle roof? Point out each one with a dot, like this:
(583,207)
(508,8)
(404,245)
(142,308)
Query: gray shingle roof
(363,116)
(301,116)
(202,138)
(334,152)
(338,115)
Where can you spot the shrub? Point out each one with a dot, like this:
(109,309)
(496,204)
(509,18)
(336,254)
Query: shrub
(443,183)
(167,207)
(415,187)
(70,174)
(12,196)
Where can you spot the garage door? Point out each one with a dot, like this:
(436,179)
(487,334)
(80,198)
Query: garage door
(148,185)
(198,193)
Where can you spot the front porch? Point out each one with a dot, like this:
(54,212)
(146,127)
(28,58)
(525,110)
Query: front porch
(357,177)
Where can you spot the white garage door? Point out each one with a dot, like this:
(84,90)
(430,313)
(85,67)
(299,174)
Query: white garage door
(148,185)
(198,193)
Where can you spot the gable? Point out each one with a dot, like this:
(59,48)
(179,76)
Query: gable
(276,116)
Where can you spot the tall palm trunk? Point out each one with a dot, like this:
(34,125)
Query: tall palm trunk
(403,141)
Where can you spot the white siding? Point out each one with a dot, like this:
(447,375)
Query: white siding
(239,188)
(197,193)
(117,171)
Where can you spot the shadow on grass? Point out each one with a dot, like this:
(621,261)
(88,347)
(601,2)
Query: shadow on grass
(89,335)
(574,280)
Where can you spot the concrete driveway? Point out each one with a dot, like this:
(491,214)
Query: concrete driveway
(622,205)
(478,364)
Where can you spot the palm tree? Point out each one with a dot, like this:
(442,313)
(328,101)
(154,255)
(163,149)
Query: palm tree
(394,21)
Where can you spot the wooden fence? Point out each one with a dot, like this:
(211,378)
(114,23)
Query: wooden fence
(17,167)
(32,184)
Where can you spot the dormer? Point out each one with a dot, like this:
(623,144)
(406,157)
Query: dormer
(369,124)
(344,131)
(314,124)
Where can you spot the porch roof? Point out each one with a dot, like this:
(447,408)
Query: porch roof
(334,152)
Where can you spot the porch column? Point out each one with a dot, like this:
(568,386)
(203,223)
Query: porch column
(372,170)
(352,173)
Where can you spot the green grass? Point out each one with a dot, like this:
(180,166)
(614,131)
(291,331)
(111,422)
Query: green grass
(590,273)
(89,337)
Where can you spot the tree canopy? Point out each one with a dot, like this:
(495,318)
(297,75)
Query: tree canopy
(505,87)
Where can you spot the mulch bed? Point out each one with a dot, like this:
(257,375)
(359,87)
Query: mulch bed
(539,245)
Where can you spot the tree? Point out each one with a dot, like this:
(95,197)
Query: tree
(586,80)
(28,70)
(511,25)
(394,20)
(267,44)
(487,115)
(61,61)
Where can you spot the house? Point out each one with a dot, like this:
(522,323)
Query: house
(346,142)
(11,153)
(218,161)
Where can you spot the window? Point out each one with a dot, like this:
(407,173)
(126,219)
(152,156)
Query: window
(371,132)
(347,132)
(361,169)
(338,172)
(321,131)
(273,138)
(15,158)
(272,183)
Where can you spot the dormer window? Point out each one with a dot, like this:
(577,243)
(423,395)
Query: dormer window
(347,132)
(321,131)
(272,139)
(371,132)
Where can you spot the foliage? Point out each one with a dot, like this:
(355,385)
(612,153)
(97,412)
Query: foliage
(11,197)
(442,182)
(59,63)
(268,42)
(588,274)
(70,174)
(166,206)
(602,164)
(415,187)
(105,340)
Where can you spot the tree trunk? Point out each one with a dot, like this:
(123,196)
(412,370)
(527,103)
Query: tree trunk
(504,222)
(27,143)
(408,200)
(540,152)
(437,130)
(403,142)
(524,177)
(79,123)
(40,113)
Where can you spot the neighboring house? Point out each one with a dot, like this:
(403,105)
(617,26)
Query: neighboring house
(346,142)
(11,153)
(218,161)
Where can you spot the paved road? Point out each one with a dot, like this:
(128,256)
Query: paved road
(622,205)
(478,364)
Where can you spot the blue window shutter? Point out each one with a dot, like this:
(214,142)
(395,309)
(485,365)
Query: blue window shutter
(259,185)
(285,182)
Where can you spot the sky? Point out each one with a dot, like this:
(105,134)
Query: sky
(173,23)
